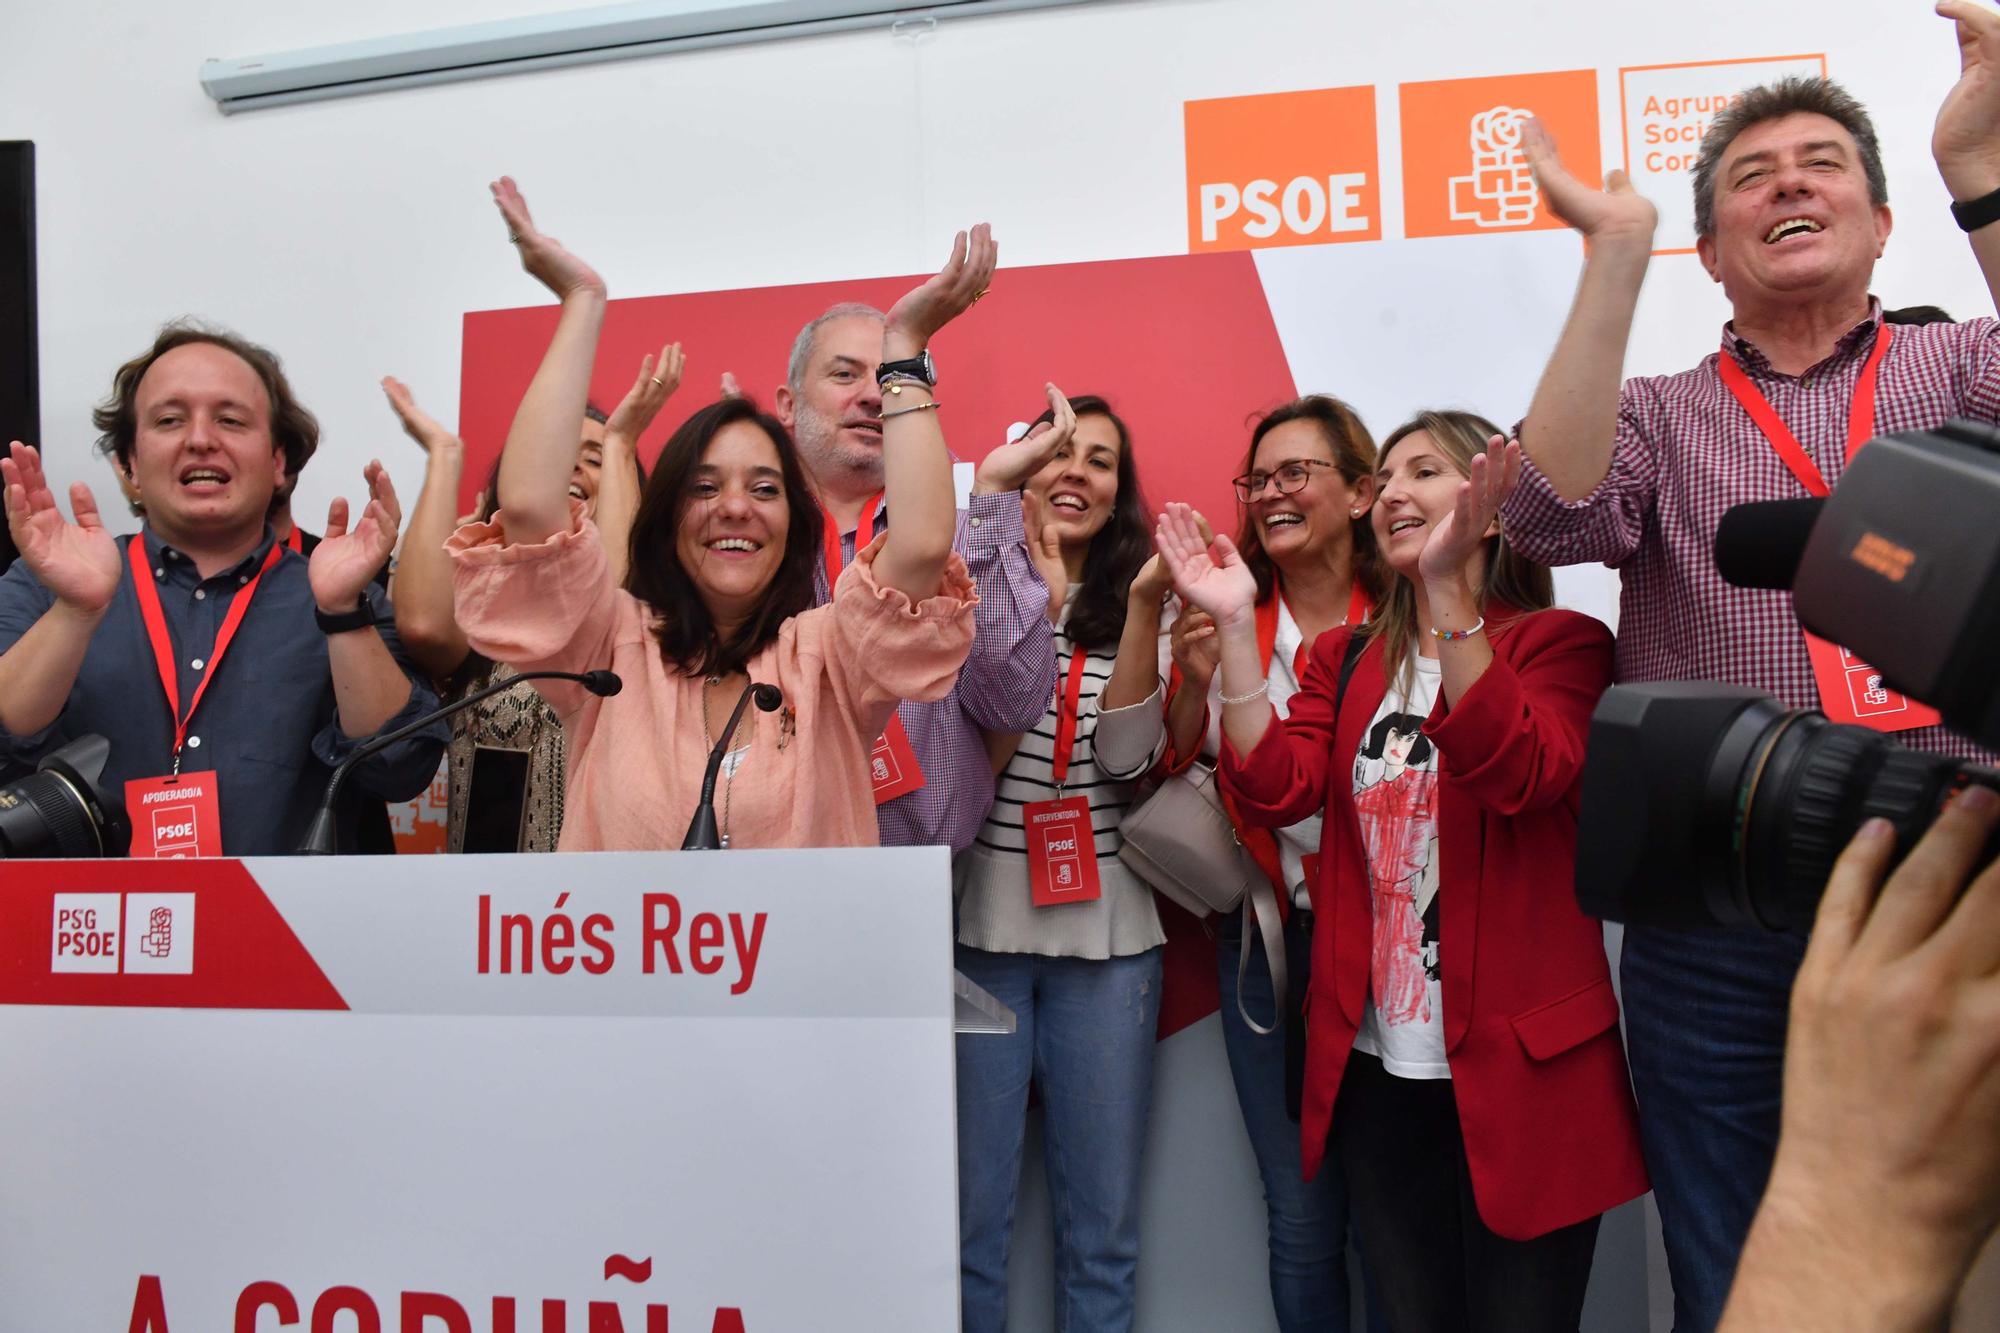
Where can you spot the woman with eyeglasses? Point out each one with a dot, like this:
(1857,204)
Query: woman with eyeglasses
(1463,1062)
(1306,481)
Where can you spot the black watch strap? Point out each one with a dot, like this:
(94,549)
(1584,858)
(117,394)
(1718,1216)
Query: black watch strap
(1976,213)
(919,367)
(361,617)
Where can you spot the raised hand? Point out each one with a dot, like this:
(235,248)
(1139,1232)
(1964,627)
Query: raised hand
(1045,552)
(1152,583)
(79,562)
(1010,465)
(730,388)
(1968,123)
(649,393)
(1614,211)
(1219,583)
(418,424)
(1197,652)
(935,303)
(345,560)
(542,256)
(1456,545)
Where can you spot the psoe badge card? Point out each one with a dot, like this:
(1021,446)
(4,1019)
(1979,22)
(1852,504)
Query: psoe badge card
(1062,852)
(174,817)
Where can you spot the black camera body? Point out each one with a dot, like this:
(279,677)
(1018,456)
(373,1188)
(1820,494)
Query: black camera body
(1706,803)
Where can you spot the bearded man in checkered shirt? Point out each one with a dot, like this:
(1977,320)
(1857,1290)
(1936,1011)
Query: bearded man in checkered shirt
(1791,212)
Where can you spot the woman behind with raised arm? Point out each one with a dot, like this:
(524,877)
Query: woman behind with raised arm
(719,593)
(1484,1127)
(1052,923)
(1305,487)
(512,740)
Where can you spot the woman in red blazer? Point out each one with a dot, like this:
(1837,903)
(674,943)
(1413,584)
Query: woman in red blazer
(1463,1055)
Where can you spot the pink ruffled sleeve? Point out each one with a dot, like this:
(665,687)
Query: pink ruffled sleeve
(887,648)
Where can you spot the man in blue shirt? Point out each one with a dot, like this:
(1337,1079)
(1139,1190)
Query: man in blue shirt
(205,426)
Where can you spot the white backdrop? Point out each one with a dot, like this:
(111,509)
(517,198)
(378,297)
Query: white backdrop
(352,235)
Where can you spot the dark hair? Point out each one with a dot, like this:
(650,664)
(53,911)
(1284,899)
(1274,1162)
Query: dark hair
(489,494)
(1403,724)
(1773,101)
(592,412)
(1511,578)
(293,429)
(1120,548)
(1918,314)
(1353,450)
(686,633)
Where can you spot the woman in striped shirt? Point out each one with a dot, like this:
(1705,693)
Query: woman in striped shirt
(1054,925)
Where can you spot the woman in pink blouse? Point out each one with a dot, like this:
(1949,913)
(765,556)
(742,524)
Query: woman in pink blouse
(719,592)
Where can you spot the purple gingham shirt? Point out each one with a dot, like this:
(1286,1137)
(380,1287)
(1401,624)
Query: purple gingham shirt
(1006,683)
(1686,451)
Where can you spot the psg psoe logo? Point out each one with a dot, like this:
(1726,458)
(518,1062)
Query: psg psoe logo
(128,933)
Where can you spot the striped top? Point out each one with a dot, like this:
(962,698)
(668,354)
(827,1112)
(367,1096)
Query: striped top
(1112,751)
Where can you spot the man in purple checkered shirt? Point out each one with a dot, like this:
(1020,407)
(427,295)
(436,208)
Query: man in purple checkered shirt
(831,403)
(1791,214)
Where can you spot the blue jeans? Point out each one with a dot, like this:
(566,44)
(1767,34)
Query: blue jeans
(1705,1028)
(1308,1218)
(1086,1034)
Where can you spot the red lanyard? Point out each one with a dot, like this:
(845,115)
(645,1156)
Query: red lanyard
(163,647)
(1359,604)
(1860,414)
(292,540)
(1072,696)
(864,532)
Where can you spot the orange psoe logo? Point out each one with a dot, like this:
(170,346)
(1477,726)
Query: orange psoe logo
(1465,171)
(1283,169)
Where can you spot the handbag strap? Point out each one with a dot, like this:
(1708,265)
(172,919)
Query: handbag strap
(1260,904)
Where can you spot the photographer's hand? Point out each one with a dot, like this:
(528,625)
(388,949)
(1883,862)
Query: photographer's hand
(1887,1178)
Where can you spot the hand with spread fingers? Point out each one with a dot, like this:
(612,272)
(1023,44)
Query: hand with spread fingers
(347,559)
(1010,465)
(656,382)
(542,256)
(1615,211)
(1208,574)
(79,562)
(915,319)
(1455,548)
(418,424)
(1966,138)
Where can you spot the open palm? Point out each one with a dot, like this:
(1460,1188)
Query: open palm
(79,562)
(1219,583)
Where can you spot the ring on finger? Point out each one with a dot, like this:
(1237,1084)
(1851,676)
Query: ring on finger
(657,380)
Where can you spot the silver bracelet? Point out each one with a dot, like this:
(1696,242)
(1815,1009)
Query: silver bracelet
(931,406)
(1262,687)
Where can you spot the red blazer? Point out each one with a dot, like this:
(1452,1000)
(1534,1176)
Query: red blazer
(1530,1020)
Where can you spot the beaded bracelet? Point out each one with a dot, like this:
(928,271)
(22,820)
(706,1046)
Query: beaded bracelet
(1454,635)
(905,411)
(1246,698)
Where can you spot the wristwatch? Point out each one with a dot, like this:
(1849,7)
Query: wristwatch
(1976,213)
(919,367)
(361,617)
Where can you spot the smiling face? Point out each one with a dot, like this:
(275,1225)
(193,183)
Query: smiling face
(835,414)
(1078,488)
(583,478)
(203,460)
(1793,215)
(1416,486)
(1301,526)
(733,523)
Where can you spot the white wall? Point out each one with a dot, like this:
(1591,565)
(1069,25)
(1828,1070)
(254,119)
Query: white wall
(352,235)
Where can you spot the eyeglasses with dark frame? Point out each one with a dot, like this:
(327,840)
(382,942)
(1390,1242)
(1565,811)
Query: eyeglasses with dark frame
(1290,476)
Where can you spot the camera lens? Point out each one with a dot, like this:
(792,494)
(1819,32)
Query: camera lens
(63,809)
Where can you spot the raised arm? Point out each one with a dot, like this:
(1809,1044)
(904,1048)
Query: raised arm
(1453,566)
(542,444)
(1223,586)
(916,466)
(369,687)
(618,479)
(1966,140)
(78,562)
(420,586)
(1573,419)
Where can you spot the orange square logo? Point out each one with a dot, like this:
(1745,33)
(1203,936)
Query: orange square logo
(1283,169)
(1464,169)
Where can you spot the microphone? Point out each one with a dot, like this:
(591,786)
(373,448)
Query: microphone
(702,834)
(319,839)
(1759,545)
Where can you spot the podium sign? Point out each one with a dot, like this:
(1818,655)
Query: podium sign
(599,1093)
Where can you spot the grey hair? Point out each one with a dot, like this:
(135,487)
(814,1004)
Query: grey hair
(802,346)
(1770,101)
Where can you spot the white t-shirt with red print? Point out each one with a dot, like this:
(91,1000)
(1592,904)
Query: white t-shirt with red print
(1396,798)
